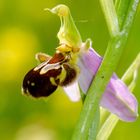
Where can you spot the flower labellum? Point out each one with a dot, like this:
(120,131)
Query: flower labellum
(44,79)
(68,33)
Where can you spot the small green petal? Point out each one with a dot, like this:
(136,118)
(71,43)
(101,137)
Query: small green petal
(68,33)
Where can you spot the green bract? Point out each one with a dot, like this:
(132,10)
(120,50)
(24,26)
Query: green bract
(68,33)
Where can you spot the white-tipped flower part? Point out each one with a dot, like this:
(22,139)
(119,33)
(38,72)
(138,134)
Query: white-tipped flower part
(72,91)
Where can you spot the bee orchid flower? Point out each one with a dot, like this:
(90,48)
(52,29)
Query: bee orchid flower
(75,65)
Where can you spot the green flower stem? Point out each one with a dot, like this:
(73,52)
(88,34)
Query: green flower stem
(103,116)
(121,9)
(88,122)
(129,74)
(117,2)
(107,128)
(130,16)
(110,16)
(110,123)
(133,83)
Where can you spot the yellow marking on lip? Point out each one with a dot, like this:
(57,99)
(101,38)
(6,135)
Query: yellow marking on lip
(62,75)
(64,48)
(53,81)
(42,57)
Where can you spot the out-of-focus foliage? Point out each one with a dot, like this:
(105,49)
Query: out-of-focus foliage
(25,28)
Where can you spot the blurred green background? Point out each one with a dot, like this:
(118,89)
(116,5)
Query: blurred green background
(25,29)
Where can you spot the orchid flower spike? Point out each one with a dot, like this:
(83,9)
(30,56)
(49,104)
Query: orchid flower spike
(75,65)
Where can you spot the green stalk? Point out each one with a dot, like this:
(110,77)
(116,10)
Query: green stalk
(122,9)
(107,127)
(129,74)
(110,16)
(88,122)
(130,16)
(103,116)
(110,123)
